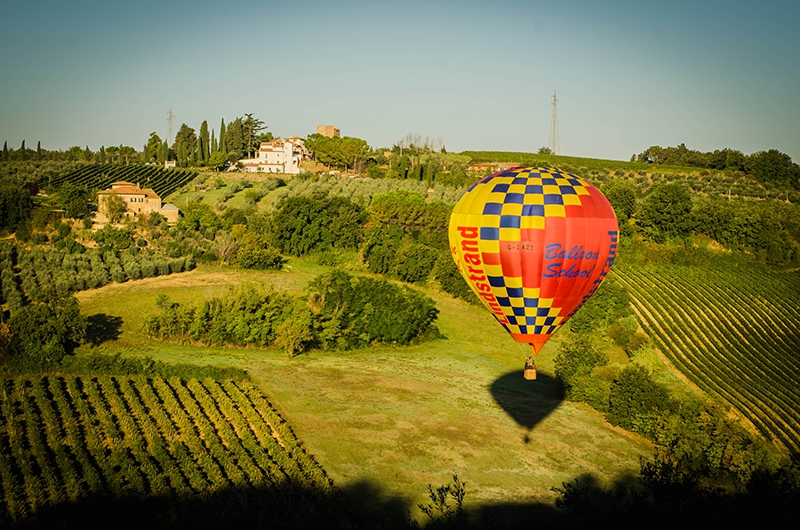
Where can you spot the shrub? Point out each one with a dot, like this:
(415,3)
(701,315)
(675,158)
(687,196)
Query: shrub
(355,311)
(634,396)
(44,332)
(259,258)
(414,262)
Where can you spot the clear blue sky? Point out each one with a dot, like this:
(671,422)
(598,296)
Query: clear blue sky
(480,75)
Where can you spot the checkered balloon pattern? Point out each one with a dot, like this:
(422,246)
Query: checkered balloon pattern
(534,244)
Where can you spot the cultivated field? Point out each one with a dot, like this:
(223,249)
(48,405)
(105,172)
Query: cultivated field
(98,177)
(736,334)
(394,420)
(68,438)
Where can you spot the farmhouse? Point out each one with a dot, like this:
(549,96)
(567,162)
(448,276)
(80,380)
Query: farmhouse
(277,156)
(137,200)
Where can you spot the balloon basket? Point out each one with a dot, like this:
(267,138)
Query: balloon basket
(529,374)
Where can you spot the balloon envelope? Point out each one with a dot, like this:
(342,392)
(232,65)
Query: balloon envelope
(533,244)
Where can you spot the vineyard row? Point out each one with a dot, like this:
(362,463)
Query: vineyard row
(63,438)
(728,336)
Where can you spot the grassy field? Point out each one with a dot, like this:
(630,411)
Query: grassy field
(398,419)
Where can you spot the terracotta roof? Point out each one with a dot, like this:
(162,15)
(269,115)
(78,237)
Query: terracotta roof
(129,189)
(124,190)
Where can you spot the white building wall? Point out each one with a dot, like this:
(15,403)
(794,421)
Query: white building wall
(280,156)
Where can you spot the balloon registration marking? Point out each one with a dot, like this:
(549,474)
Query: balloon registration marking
(533,244)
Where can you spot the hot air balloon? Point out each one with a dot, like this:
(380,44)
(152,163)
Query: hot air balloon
(534,244)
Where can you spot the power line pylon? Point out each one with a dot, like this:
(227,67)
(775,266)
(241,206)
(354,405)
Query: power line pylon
(554,147)
(169,119)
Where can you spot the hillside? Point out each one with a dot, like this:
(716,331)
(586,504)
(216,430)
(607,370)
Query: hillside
(401,418)
(736,334)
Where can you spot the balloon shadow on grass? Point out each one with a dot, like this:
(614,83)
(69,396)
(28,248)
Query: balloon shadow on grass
(102,328)
(527,402)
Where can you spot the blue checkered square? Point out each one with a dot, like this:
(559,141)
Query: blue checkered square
(496,281)
(509,221)
(490,234)
(492,208)
(535,210)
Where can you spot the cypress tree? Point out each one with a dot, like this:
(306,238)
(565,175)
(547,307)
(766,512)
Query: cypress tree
(22,153)
(5,151)
(214,146)
(39,150)
(204,143)
(87,154)
(181,154)
(222,145)
(102,154)
(163,153)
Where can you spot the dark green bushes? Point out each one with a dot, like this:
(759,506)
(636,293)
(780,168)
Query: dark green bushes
(353,311)
(303,225)
(117,365)
(342,312)
(42,333)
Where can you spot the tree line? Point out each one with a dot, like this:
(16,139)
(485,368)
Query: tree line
(770,166)
(237,139)
(768,230)
(341,312)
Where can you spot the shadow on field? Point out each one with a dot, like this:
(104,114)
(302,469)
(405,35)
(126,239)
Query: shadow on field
(527,402)
(654,501)
(281,506)
(102,328)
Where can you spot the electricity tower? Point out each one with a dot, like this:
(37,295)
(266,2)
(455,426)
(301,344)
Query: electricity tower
(169,119)
(554,147)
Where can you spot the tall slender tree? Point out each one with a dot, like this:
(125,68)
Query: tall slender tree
(163,152)
(204,142)
(5,151)
(22,154)
(214,147)
(222,145)
(38,150)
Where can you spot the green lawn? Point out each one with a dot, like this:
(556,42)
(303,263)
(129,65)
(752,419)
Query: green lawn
(402,418)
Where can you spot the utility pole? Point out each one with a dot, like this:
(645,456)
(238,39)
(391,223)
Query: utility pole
(169,119)
(554,147)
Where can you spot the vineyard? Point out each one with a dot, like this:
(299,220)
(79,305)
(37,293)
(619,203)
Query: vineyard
(98,177)
(67,438)
(735,334)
